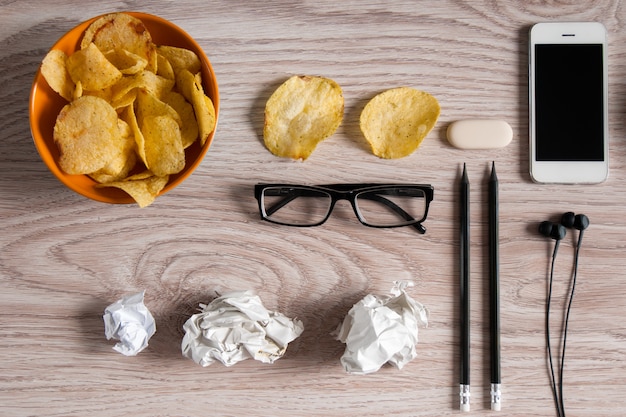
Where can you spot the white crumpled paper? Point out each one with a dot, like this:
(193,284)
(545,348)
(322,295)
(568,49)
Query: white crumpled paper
(235,327)
(379,330)
(129,321)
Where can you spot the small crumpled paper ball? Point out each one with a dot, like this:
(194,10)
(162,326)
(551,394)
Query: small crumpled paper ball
(235,327)
(380,330)
(129,321)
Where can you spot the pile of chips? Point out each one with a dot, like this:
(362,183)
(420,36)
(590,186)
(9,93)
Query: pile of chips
(134,107)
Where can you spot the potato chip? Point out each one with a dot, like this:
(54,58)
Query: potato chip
(116,29)
(163,145)
(164,68)
(191,88)
(129,116)
(54,70)
(78,91)
(159,142)
(189,127)
(123,101)
(90,67)
(148,104)
(125,61)
(140,175)
(146,80)
(85,132)
(123,161)
(396,121)
(180,58)
(206,119)
(143,190)
(302,112)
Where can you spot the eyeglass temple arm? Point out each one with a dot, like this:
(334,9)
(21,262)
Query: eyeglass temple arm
(406,216)
(279,204)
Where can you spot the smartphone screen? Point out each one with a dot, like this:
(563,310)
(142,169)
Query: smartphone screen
(569,102)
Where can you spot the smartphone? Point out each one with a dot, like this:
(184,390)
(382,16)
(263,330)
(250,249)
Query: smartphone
(568,103)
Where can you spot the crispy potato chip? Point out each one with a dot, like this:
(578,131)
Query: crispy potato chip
(129,116)
(141,175)
(164,68)
(54,70)
(180,58)
(116,29)
(158,143)
(189,127)
(123,161)
(125,61)
(206,119)
(90,67)
(146,80)
(163,145)
(191,88)
(78,91)
(121,102)
(396,121)
(85,132)
(302,112)
(143,190)
(148,104)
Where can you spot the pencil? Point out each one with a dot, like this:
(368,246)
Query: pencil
(465,294)
(494,290)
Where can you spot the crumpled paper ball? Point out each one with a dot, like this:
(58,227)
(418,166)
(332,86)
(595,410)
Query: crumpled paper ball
(129,321)
(380,330)
(235,327)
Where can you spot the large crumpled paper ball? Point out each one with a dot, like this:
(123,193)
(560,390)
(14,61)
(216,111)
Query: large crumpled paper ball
(380,330)
(235,327)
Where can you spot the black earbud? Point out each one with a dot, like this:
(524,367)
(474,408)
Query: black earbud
(552,230)
(577,221)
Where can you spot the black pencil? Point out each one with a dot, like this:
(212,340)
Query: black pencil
(494,290)
(465,293)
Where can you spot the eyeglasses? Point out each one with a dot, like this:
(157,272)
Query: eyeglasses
(375,205)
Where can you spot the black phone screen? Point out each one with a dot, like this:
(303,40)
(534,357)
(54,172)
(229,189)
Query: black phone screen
(569,104)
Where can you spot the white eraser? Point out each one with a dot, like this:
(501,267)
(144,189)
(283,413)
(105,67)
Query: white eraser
(465,408)
(479,134)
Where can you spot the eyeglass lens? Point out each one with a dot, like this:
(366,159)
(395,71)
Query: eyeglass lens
(296,206)
(391,207)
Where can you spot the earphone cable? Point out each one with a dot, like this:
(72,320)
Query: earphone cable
(555,392)
(566,323)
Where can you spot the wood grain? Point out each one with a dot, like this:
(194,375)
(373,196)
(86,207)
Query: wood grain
(63,258)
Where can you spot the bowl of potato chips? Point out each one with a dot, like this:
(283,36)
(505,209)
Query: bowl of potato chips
(124,108)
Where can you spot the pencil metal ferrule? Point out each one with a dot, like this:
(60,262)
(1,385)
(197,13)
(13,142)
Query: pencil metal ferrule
(464,396)
(496,397)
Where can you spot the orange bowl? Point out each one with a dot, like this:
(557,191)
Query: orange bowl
(45,104)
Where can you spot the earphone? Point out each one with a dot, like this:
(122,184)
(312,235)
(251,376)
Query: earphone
(577,221)
(552,230)
(557,231)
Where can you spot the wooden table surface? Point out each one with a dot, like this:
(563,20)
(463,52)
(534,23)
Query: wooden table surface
(64,258)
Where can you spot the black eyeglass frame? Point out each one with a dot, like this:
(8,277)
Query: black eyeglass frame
(348,192)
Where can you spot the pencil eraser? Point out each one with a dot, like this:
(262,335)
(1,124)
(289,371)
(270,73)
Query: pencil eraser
(465,408)
(495,406)
(479,134)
